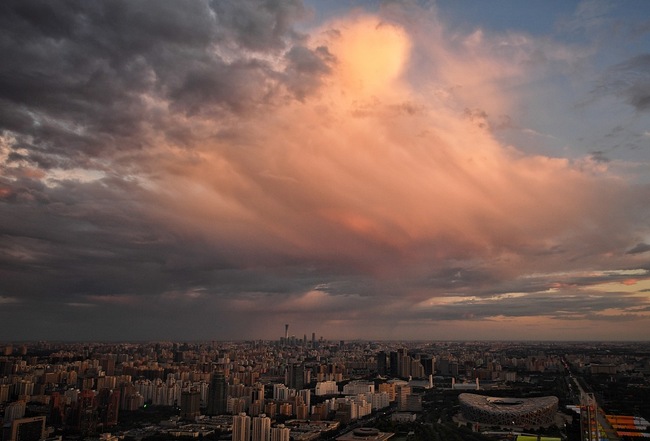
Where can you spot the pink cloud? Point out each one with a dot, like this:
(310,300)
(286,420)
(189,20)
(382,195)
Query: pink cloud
(318,179)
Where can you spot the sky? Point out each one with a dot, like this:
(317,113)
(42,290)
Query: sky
(214,170)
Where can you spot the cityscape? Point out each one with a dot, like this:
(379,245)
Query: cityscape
(310,388)
(324,220)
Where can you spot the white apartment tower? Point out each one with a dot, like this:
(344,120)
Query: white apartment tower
(241,427)
(280,433)
(261,428)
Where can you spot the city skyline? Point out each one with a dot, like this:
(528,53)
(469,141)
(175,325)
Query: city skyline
(361,170)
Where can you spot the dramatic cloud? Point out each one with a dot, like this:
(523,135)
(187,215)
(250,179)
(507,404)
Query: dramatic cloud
(185,169)
(631,80)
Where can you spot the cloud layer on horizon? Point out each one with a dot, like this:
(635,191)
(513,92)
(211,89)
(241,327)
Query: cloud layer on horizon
(218,164)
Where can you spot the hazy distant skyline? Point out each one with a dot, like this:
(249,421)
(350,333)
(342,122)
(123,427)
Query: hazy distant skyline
(358,169)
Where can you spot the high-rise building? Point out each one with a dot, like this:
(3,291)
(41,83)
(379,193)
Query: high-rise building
(280,392)
(85,413)
(217,394)
(390,389)
(280,433)
(305,394)
(108,403)
(429,365)
(14,411)
(271,408)
(261,428)
(286,409)
(402,392)
(302,411)
(404,365)
(394,364)
(241,427)
(382,363)
(296,376)
(190,404)
(257,393)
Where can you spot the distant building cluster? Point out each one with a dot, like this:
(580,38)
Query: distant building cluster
(297,386)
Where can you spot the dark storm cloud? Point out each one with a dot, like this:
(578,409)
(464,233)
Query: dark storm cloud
(102,238)
(639,248)
(79,72)
(629,80)
(77,92)
(306,68)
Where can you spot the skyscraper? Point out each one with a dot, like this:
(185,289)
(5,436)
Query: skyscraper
(394,364)
(217,394)
(382,363)
(296,376)
(241,427)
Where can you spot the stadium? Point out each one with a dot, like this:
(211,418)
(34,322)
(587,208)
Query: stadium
(525,412)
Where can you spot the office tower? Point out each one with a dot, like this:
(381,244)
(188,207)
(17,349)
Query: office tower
(296,376)
(286,333)
(217,394)
(453,368)
(261,428)
(313,339)
(404,365)
(241,427)
(28,429)
(382,363)
(394,364)
(280,433)
(417,369)
(190,404)
(443,366)
(402,393)
(429,365)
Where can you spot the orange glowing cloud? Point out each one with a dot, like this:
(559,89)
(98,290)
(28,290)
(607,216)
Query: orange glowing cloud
(371,170)
(371,54)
